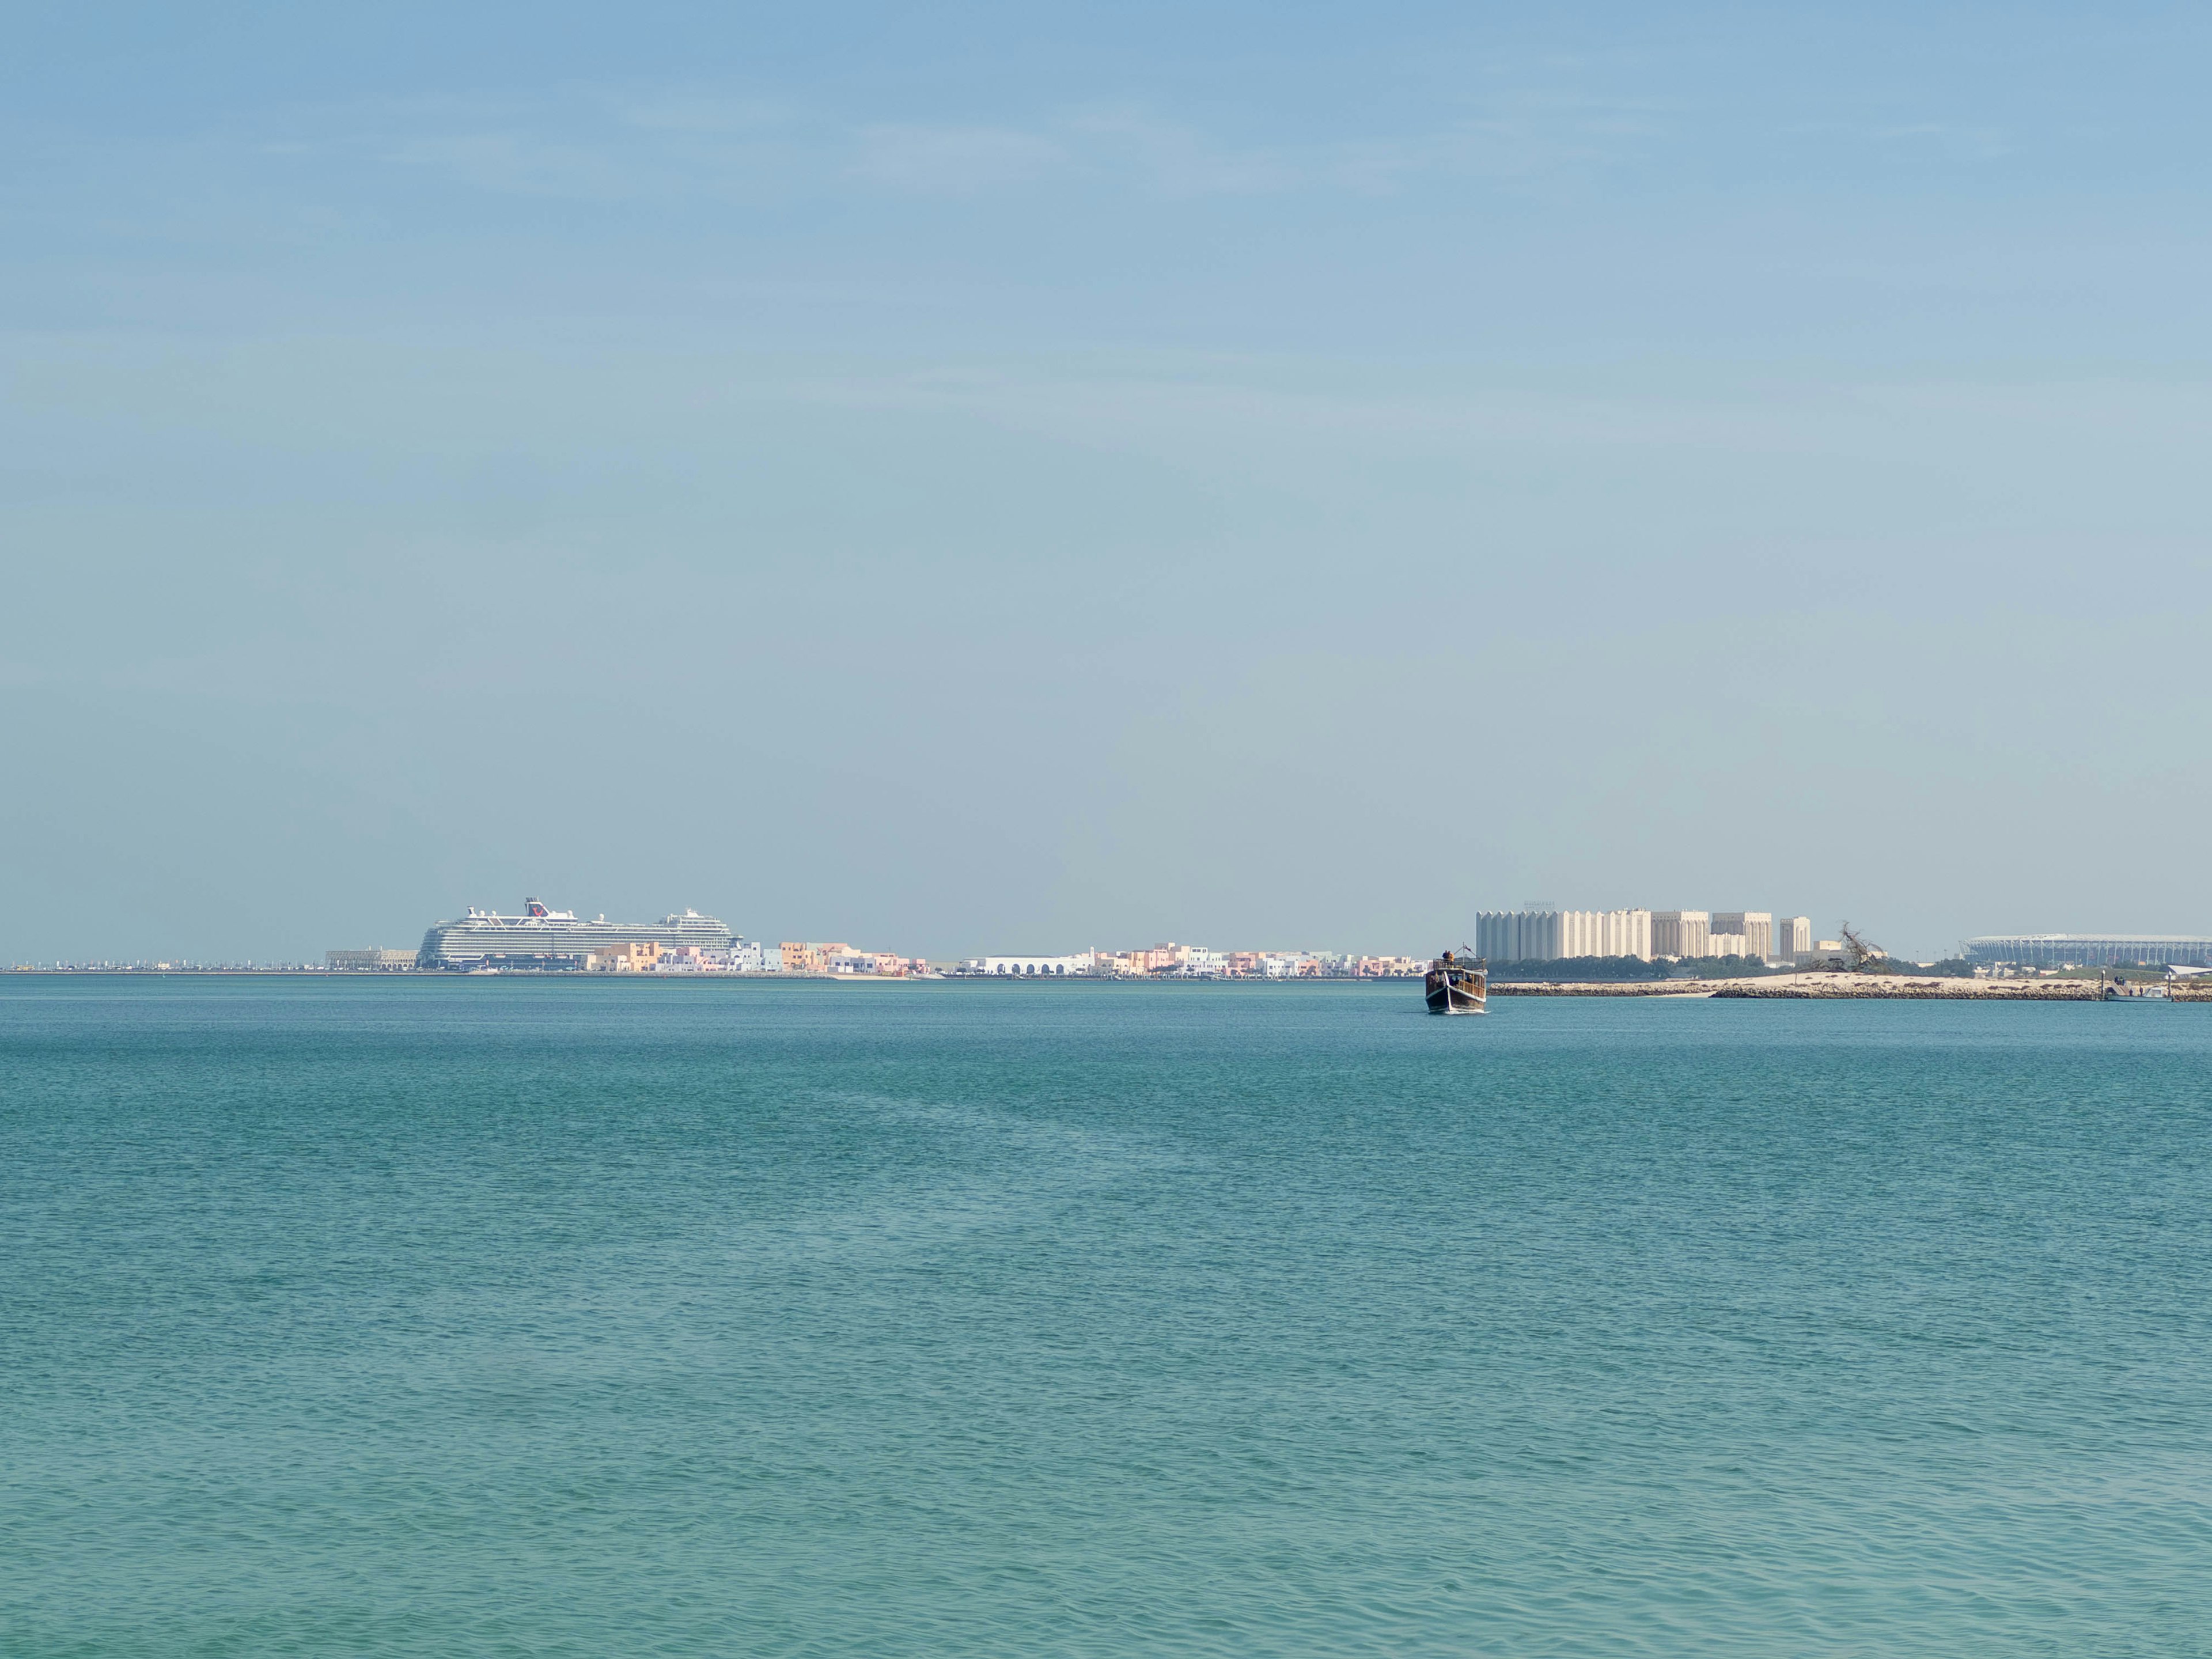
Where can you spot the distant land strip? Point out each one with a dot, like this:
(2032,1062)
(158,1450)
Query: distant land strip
(1840,988)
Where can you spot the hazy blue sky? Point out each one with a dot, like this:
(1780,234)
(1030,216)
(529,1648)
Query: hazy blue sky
(1002,476)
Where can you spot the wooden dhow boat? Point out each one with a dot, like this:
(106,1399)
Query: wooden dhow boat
(1457,984)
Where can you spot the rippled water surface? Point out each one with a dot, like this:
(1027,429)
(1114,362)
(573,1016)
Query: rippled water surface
(494,1316)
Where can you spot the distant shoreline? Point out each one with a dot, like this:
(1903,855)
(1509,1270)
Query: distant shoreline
(793,976)
(1818,987)
(1836,988)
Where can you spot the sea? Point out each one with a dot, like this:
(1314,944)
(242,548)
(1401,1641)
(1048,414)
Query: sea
(501,1316)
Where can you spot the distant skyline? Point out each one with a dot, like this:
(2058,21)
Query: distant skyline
(967,480)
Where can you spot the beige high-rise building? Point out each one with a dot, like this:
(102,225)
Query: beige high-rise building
(1793,937)
(1518,935)
(1550,935)
(1680,932)
(1757,927)
(1606,933)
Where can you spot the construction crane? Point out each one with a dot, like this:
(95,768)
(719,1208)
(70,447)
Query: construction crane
(1857,951)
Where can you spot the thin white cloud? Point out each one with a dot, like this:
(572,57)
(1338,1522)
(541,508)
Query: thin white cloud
(646,145)
(953,160)
(1175,158)
(1964,143)
(697,112)
(514,163)
(1950,141)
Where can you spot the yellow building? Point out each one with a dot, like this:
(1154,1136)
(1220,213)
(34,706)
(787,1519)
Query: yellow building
(630,956)
(811,958)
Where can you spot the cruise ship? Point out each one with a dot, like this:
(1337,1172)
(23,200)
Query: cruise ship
(540,938)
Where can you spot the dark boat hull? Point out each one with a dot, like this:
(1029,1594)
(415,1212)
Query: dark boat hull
(1458,991)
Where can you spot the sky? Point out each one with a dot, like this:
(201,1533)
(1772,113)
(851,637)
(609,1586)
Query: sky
(992,477)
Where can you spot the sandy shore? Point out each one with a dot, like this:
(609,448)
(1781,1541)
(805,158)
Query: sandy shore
(1861,987)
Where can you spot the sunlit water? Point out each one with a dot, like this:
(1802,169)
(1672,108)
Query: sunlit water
(493,1316)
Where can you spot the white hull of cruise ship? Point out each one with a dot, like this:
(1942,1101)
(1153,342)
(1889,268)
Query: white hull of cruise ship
(546,938)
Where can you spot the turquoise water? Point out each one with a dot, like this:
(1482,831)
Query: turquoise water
(495,1317)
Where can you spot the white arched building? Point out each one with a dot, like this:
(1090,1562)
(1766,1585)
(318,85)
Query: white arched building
(1040,967)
